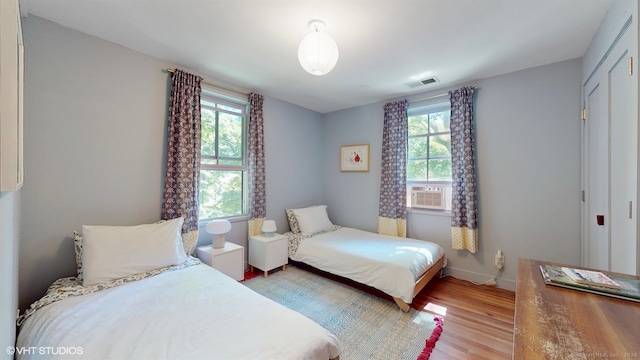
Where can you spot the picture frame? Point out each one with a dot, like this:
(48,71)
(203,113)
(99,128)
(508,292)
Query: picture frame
(354,157)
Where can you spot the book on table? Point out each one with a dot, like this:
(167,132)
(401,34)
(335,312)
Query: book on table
(592,281)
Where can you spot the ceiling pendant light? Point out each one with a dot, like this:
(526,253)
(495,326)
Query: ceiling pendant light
(318,52)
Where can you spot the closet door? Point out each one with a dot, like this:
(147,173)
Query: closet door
(610,162)
(596,249)
(623,165)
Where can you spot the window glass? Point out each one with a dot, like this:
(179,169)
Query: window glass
(222,165)
(429,145)
(220,193)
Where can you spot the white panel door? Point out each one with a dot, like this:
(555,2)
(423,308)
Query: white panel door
(610,161)
(596,250)
(623,167)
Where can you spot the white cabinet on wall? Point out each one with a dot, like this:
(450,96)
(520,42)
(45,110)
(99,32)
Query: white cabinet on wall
(11,96)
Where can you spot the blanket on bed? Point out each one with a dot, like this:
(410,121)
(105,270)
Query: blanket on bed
(72,286)
(388,263)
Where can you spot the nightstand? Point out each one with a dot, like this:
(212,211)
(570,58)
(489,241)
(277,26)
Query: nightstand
(229,260)
(268,253)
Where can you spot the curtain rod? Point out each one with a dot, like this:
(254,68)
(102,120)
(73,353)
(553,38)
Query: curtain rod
(435,96)
(170,70)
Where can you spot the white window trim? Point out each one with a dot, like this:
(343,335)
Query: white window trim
(231,100)
(422,110)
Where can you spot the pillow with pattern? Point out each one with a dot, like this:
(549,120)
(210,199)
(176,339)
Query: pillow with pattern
(77,245)
(293,222)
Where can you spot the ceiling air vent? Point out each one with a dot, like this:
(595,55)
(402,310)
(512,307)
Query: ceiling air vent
(424,82)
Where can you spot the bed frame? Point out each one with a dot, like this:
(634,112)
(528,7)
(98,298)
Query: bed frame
(420,283)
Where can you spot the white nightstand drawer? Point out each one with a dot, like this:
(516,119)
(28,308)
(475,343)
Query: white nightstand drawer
(268,253)
(229,260)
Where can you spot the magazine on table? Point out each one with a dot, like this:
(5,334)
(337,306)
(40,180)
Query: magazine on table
(589,277)
(629,289)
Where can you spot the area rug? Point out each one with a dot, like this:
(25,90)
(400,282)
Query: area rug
(368,327)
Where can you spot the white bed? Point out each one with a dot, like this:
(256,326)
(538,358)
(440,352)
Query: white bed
(192,313)
(399,267)
(184,310)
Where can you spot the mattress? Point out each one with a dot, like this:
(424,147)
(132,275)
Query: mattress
(193,313)
(388,263)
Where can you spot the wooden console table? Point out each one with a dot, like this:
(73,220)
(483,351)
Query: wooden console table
(558,323)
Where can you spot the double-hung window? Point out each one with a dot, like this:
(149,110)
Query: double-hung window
(429,157)
(223,165)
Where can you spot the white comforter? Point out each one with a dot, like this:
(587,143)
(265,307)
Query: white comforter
(387,263)
(194,313)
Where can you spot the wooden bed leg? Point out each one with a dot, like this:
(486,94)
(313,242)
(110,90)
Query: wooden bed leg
(403,305)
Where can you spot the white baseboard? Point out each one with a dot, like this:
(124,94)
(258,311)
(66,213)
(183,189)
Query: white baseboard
(503,283)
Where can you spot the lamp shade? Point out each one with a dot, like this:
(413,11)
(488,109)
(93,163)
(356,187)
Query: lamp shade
(221,226)
(318,52)
(269,227)
(218,228)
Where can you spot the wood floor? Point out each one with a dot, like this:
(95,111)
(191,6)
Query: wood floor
(478,319)
(478,323)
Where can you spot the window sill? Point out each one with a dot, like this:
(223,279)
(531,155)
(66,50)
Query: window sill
(428,212)
(232,219)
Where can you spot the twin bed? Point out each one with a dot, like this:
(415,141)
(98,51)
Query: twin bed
(169,305)
(139,296)
(399,267)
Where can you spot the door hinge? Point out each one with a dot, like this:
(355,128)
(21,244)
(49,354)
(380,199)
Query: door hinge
(582,195)
(583,114)
(630,209)
(630,65)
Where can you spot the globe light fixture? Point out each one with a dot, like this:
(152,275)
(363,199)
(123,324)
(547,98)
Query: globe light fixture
(318,52)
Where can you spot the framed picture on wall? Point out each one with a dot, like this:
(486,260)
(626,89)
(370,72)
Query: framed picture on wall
(354,157)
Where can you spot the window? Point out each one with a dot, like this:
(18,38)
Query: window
(429,153)
(223,167)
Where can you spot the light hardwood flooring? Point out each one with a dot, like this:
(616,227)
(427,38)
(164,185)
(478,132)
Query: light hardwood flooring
(478,323)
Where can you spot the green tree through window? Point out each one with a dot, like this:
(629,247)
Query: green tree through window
(223,166)
(429,146)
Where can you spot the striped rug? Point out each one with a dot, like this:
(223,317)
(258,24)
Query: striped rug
(368,327)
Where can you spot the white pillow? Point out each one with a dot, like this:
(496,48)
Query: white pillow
(114,252)
(313,220)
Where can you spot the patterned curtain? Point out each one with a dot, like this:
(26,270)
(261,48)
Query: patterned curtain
(183,163)
(256,161)
(464,205)
(393,182)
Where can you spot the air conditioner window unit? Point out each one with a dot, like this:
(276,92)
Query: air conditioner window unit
(428,197)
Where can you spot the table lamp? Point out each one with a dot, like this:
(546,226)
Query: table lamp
(218,228)
(269,227)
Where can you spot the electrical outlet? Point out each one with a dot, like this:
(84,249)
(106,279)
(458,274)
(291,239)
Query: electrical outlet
(499,260)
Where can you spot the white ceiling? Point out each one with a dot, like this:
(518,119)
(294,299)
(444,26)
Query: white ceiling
(384,44)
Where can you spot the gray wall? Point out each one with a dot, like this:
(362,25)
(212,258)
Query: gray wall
(294,146)
(95,119)
(9,235)
(352,197)
(95,153)
(528,158)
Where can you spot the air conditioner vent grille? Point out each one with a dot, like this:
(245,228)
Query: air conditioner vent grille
(430,197)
